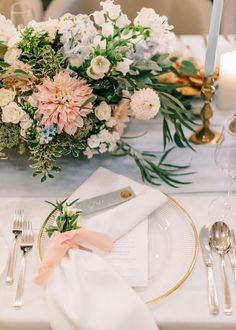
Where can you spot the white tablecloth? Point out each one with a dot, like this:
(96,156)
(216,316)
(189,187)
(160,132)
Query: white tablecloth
(187,308)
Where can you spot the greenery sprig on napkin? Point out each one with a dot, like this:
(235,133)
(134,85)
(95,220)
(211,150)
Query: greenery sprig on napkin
(67,217)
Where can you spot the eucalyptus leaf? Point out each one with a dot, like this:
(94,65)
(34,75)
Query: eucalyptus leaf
(188,68)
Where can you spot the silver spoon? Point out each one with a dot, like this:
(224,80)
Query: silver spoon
(220,240)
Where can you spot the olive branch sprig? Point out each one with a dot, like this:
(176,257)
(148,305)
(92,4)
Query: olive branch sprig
(152,170)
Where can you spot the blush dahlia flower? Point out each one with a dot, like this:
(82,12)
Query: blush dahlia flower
(59,102)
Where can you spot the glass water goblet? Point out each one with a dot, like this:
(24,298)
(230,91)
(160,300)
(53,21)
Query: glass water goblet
(21,13)
(224,208)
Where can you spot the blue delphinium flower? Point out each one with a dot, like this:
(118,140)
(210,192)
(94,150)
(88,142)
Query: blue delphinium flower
(46,133)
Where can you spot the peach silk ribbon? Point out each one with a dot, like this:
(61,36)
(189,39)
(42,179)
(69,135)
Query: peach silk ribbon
(60,243)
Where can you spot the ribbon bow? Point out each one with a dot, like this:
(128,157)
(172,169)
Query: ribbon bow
(60,243)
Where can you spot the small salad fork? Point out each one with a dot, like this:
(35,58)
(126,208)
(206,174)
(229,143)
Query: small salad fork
(26,245)
(16,230)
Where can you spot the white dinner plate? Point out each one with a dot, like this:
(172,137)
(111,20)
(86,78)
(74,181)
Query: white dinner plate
(4,254)
(173,247)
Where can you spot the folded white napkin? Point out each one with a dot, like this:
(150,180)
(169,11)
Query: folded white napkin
(83,291)
(122,218)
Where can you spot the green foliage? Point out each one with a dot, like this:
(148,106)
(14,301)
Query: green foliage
(152,171)
(188,68)
(44,57)
(45,156)
(9,137)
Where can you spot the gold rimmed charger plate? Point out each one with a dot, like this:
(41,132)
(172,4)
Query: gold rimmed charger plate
(173,249)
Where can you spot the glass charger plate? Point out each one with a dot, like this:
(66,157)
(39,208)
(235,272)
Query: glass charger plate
(173,248)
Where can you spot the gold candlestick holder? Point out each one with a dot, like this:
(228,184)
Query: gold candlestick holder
(204,135)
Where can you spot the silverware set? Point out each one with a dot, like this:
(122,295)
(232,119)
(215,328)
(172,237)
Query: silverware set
(220,240)
(23,242)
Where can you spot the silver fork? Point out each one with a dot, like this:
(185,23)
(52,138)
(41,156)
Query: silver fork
(17,230)
(26,245)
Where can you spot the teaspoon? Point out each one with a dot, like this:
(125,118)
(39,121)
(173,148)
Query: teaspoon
(220,240)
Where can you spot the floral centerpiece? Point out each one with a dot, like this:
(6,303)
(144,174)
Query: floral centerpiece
(70,86)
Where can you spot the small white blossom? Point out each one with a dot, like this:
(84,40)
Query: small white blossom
(7,29)
(99,17)
(107,29)
(159,28)
(105,136)
(50,26)
(70,210)
(32,101)
(111,9)
(26,122)
(122,21)
(11,55)
(93,141)
(145,104)
(76,61)
(14,40)
(6,96)
(12,113)
(93,75)
(100,65)
(88,152)
(76,34)
(99,42)
(102,148)
(103,111)
(124,66)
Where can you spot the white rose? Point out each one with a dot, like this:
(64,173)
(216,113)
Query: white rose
(6,96)
(93,75)
(124,66)
(99,42)
(11,55)
(122,21)
(76,61)
(103,111)
(112,10)
(107,29)
(99,17)
(100,65)
(93,141)
(12,113)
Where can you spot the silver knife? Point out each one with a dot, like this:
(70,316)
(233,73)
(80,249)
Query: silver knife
(232,253)
(104,201)
(207,258)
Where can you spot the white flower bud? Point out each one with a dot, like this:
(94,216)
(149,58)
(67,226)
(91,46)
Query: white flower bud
(107,29)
